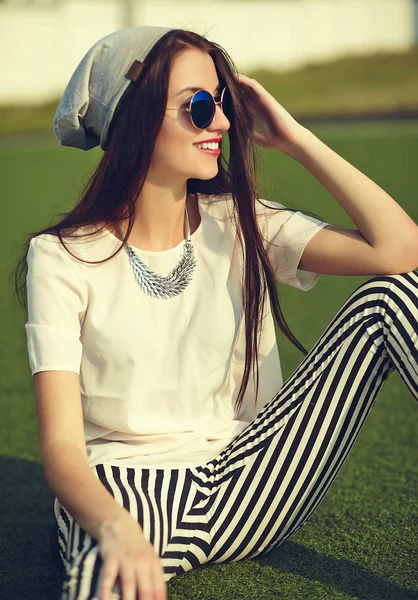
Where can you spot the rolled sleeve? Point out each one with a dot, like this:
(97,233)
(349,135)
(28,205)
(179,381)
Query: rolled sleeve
(57,301)
(289,232)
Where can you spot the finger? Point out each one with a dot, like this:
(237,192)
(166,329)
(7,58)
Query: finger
(248,81)
(160,585)
(145,580)
(245,78)
(128,580)
(242,81)
(251,84)
(250,93)
(109,574)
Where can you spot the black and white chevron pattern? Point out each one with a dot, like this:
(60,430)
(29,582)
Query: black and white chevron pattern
(268,481)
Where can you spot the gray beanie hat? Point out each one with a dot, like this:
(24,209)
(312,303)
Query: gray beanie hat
(90,99)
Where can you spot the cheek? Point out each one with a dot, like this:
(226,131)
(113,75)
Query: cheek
(175,148)
(173,137)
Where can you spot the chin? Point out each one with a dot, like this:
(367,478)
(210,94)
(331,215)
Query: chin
(207,174)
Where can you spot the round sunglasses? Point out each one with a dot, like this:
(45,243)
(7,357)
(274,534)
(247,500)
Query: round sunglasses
(202,107)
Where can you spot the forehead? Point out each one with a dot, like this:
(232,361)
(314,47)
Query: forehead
(192,68)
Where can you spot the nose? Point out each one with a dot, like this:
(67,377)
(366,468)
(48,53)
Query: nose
(220,122)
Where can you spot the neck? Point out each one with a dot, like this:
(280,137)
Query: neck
(152,238)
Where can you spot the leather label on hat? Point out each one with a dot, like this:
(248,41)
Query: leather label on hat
(134,70)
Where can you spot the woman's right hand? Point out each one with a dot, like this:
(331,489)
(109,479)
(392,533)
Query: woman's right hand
(128,554)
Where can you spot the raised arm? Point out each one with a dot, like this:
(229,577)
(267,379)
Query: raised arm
(386,238)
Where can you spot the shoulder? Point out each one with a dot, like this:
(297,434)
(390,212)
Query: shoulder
(223,202)
(266,208)
(74,246)
(218,206)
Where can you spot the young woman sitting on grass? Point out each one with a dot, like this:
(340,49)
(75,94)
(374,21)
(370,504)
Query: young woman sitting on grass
(167,434)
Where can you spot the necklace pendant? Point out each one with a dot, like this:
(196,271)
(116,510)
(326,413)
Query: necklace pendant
(175,282)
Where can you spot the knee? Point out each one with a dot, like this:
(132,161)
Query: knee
(398,280)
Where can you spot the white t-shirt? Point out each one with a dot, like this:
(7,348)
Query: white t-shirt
(159,377)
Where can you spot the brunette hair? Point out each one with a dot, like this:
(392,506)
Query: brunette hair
(110,193)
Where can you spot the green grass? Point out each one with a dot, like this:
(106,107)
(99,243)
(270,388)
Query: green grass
(375,83)
(361,542)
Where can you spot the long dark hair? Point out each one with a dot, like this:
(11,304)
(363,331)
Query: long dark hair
(110,193)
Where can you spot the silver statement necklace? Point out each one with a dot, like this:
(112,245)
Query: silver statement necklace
(172,284)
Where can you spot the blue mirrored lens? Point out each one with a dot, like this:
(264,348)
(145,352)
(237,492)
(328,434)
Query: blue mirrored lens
(202,109)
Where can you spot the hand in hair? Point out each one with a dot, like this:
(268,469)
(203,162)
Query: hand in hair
(273,127)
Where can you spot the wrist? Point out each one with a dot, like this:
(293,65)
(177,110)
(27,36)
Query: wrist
(299,148)
(117,526)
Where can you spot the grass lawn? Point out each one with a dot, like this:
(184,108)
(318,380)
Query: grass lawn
(361,542)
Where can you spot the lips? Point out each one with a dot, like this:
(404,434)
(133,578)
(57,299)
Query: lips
(215,152)
(219,140)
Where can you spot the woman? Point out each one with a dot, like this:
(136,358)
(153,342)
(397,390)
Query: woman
(163,446)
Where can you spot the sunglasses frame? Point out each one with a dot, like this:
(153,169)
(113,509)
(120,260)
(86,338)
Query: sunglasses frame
(189,108)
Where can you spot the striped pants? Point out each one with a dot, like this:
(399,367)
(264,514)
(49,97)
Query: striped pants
(268,481)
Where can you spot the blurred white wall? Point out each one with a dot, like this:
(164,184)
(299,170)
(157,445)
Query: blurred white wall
(41,44)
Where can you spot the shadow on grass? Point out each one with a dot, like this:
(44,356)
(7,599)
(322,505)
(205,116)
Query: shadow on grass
(26,514)
(343,575)
(27,569)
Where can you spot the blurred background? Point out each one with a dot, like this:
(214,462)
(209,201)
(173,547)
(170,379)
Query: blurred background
(321,57)
(347,70)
